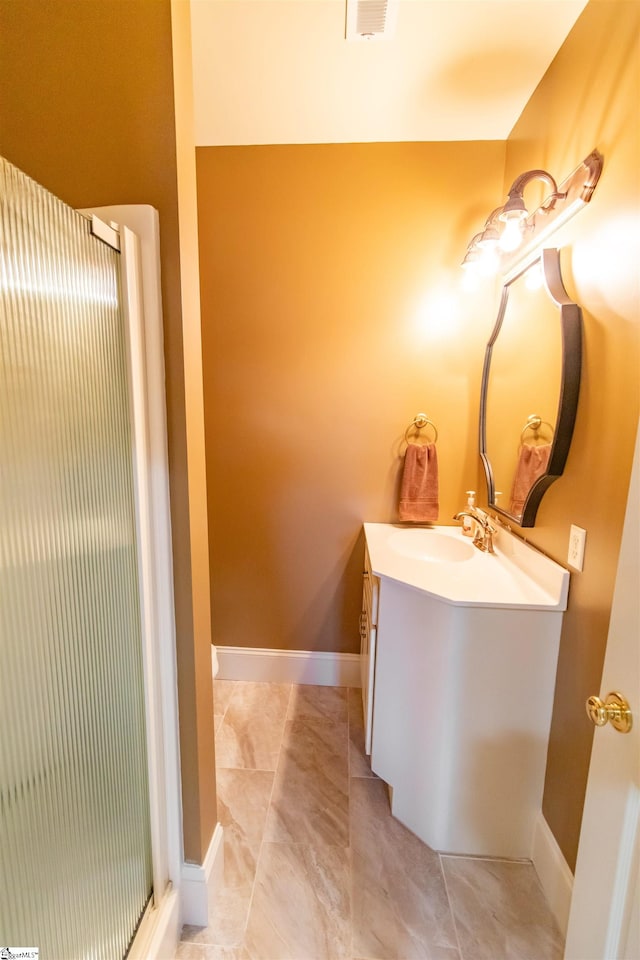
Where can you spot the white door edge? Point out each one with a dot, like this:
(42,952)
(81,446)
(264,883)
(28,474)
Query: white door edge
(140,240)
(604,922)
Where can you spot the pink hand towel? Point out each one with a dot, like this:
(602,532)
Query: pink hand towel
(532,463)
(419,487)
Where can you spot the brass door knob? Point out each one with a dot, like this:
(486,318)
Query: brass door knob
(614,710)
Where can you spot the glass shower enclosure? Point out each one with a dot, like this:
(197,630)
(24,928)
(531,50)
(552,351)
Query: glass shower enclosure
(75,839)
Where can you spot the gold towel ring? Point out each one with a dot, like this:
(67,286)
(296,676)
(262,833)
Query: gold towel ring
(534,422)
(419,422)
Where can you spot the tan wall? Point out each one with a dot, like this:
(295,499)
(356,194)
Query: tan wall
(589,98)
(87,110)
(332,314)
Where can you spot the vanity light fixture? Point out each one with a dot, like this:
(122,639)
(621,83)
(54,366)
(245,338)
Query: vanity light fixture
(481,258)
(472,256)
(504,227)
(491,233)
(510,232)
(482,253)
(514,208)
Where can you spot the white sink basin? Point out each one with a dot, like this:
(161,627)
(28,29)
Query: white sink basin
(431,546)
(446,565)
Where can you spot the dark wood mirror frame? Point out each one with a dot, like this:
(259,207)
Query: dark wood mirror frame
(570,317)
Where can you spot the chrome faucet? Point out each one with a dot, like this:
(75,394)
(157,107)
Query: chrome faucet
(484,529)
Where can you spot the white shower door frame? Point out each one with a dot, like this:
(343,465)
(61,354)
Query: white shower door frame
(135,228)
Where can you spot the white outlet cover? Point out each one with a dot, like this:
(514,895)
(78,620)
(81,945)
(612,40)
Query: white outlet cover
(575,557)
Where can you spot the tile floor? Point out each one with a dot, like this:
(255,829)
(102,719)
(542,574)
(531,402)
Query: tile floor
(316,868)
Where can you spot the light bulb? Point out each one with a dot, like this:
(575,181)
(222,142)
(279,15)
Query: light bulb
(470,281)
(488,263)
(511,235)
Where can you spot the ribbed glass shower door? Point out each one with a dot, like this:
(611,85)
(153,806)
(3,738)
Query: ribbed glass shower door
(75,851)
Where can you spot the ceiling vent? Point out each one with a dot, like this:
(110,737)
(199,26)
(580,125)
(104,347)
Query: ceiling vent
(370,19)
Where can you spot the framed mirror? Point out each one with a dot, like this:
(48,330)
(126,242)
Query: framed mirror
(530,387)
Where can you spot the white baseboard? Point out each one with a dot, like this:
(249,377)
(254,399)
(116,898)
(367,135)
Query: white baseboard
(159,931)
(289,666)
(198,882)
(215,666)
(166,935)
(553,871)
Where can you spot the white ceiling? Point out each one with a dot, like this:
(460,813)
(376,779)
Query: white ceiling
(280,71)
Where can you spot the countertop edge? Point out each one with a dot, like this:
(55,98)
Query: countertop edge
(374,532)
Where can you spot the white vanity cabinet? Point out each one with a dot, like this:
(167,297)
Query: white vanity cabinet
(368,625)
(462,699)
